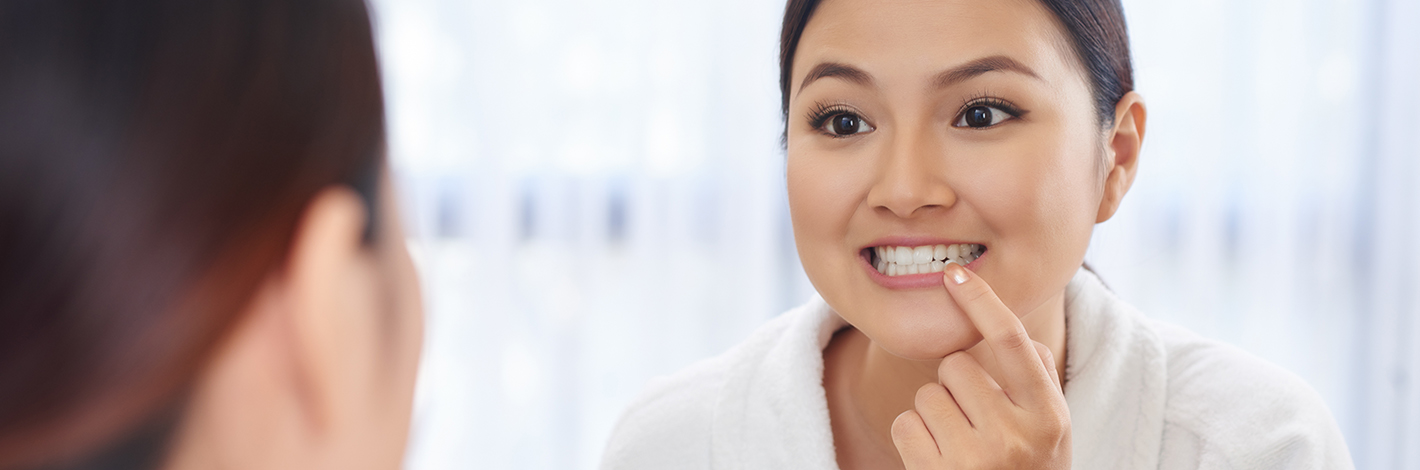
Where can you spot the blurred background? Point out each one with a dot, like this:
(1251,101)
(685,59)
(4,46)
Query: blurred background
(596,197)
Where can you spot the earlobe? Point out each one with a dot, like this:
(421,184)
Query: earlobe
(1124,142)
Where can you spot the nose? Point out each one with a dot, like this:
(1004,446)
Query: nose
(912,177)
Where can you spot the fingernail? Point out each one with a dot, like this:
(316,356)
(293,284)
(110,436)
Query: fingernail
(957,273)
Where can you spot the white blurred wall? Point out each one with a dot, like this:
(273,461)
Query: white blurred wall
(595,193)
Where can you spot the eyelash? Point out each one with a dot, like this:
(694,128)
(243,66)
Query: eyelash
(822,112)
(983,99)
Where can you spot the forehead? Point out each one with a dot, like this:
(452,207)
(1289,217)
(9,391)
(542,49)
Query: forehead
(909,39)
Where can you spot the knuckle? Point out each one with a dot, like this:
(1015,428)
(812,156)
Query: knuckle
(1018,449)
(1015,339)
(1058,424)
(1053,426)
(1046,429)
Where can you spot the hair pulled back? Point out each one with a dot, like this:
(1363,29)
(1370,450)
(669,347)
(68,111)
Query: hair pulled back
(155,158)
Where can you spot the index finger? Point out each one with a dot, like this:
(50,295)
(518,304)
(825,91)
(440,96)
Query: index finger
(1026,375)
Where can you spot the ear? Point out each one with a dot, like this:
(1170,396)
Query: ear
(1123,143)
(325,257)
(272,395)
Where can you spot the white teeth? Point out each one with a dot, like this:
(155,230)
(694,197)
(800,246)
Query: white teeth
(905,260)
(922,255)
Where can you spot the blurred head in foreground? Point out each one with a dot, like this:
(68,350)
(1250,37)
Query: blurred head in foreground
(200,262)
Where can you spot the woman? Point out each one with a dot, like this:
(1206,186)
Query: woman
(947,162)
(200,262)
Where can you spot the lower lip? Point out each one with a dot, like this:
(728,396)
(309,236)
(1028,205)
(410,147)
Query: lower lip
(913,281)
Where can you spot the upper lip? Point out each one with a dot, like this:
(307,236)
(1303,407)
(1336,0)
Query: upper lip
(913,240)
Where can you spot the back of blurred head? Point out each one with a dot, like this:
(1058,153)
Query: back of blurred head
(197,266)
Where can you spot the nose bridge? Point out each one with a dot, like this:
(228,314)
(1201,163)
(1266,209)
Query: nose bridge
(911,175)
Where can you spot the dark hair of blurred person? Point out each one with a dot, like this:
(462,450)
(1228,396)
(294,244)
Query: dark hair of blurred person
(200,265)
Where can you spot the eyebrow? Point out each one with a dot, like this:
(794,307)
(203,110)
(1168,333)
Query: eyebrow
(982,66)
(837,70)
(961,73)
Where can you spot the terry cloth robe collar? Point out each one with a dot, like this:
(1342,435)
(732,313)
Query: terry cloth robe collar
(1116,380)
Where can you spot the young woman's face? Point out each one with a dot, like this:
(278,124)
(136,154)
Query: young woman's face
(915,124)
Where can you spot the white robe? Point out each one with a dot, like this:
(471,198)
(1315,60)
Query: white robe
(1142,394)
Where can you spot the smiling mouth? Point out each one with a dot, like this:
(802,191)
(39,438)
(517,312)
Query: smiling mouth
(909,260)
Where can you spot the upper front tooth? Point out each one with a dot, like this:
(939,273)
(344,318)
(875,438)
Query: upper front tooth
(902,255)
(939,253)
(953,252)
(922,255)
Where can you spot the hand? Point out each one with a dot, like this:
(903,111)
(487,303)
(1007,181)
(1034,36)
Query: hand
(971,420)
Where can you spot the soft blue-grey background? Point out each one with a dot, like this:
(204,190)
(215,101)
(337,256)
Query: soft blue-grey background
(595,193)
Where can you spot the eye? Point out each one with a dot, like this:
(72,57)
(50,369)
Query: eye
(845,124)
(982,116)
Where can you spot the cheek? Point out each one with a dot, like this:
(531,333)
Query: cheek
(409,311)
(823,196)
(1039,200)
(400,335)
(1032,196)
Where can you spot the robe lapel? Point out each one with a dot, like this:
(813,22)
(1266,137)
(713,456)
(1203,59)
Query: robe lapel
(773,414)
(1116,379)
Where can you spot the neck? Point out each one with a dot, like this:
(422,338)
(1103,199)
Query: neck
(868,386)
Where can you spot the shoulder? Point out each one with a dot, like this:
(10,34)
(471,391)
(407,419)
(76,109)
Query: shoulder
(1229,409)
(670,424)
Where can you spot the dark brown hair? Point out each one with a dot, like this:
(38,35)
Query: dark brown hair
(1096,28)
(155,158)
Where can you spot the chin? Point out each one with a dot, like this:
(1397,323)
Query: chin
(923,327)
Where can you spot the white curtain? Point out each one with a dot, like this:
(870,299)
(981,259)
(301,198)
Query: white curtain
(595,195)
(1388,395)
